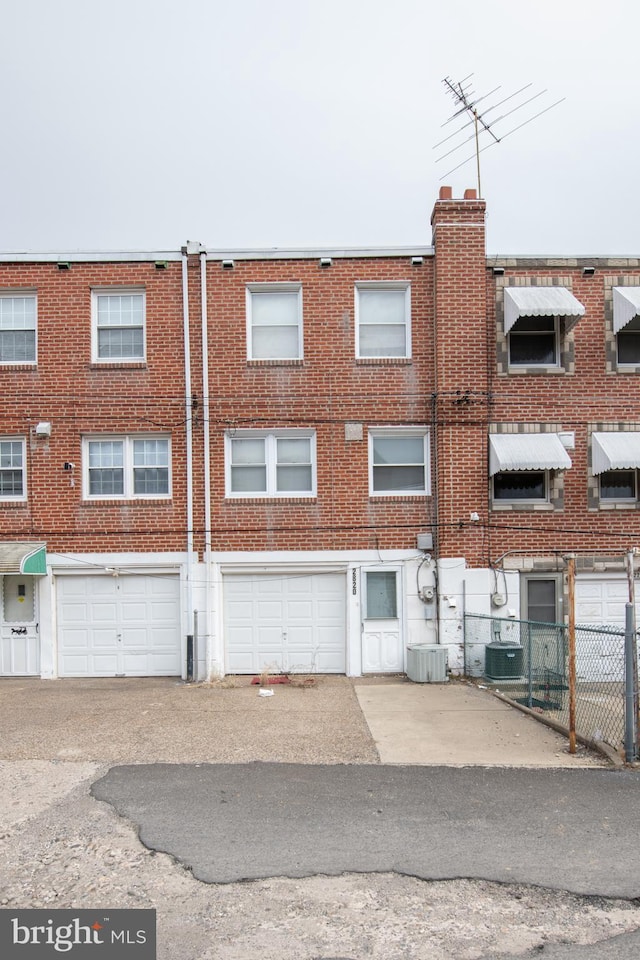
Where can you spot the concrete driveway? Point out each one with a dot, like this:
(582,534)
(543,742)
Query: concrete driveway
(458,724)
(333,720)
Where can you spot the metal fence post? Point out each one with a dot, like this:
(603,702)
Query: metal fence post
(630,736)
(571,590)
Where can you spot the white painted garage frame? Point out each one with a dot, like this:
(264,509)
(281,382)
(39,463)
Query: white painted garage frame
(287,621)
(119,626)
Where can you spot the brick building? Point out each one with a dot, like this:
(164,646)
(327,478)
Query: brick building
(309,459)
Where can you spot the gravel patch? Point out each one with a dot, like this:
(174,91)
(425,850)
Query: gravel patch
(166,721)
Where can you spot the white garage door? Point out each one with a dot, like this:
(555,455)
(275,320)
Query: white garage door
(126,626)
(600,602)
(286,622)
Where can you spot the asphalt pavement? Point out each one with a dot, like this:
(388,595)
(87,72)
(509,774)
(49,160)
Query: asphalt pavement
(573,830)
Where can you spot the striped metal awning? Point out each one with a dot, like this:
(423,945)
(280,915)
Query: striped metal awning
(626,306)
(526,451)
(23,557)
(540,302)
(615,451)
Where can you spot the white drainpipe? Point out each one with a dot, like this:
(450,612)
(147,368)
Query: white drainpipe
(211,667)
(189,443)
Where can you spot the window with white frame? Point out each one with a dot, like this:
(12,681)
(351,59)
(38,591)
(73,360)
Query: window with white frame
(126,467)
(12,469)
(274,321)
(18,313)
(521,485)
(398,461)
(383,320)
(118,325)
(271,464)
(534,342)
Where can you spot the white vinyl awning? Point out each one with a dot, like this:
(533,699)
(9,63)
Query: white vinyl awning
(539,302)
(615,451)
(526,451)
(23,557)
(626,306)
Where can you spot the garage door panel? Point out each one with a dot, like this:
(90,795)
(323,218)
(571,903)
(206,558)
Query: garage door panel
(115,626)
(285,622)
(301,585)
(101,639)
(300,636)
(300,610)
(132,611)
(330,610)
(164,638)
(268,610)
(102,612)
(601,602)
(268,636)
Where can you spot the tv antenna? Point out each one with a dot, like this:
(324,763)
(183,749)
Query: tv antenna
(466,104)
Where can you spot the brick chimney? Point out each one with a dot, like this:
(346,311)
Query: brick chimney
(461,365)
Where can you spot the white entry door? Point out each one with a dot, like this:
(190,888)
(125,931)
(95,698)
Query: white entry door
(286,622)
(125,626)
(382,648)
(19,631)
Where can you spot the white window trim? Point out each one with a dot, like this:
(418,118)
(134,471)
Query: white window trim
(24,294)
(401,285)
(270,436)
(116,292)
(537,366)
(527,501)
(278,287)
(423,432)
(23,497)
(128,491)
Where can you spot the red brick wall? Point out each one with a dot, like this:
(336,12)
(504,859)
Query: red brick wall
(328,388)
(79,398)
(571,400)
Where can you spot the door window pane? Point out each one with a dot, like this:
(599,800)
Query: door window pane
(382,600)
(18,597)
(541,601)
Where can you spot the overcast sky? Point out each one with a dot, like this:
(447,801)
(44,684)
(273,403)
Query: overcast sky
(139,124)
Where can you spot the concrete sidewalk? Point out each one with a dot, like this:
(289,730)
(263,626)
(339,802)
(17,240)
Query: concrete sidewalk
(457,724)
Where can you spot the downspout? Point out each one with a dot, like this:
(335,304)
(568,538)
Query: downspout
(189,442)
(207,466)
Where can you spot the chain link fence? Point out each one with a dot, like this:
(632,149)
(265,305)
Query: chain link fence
(529,663)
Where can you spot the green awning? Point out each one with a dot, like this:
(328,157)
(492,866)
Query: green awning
(23,557)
